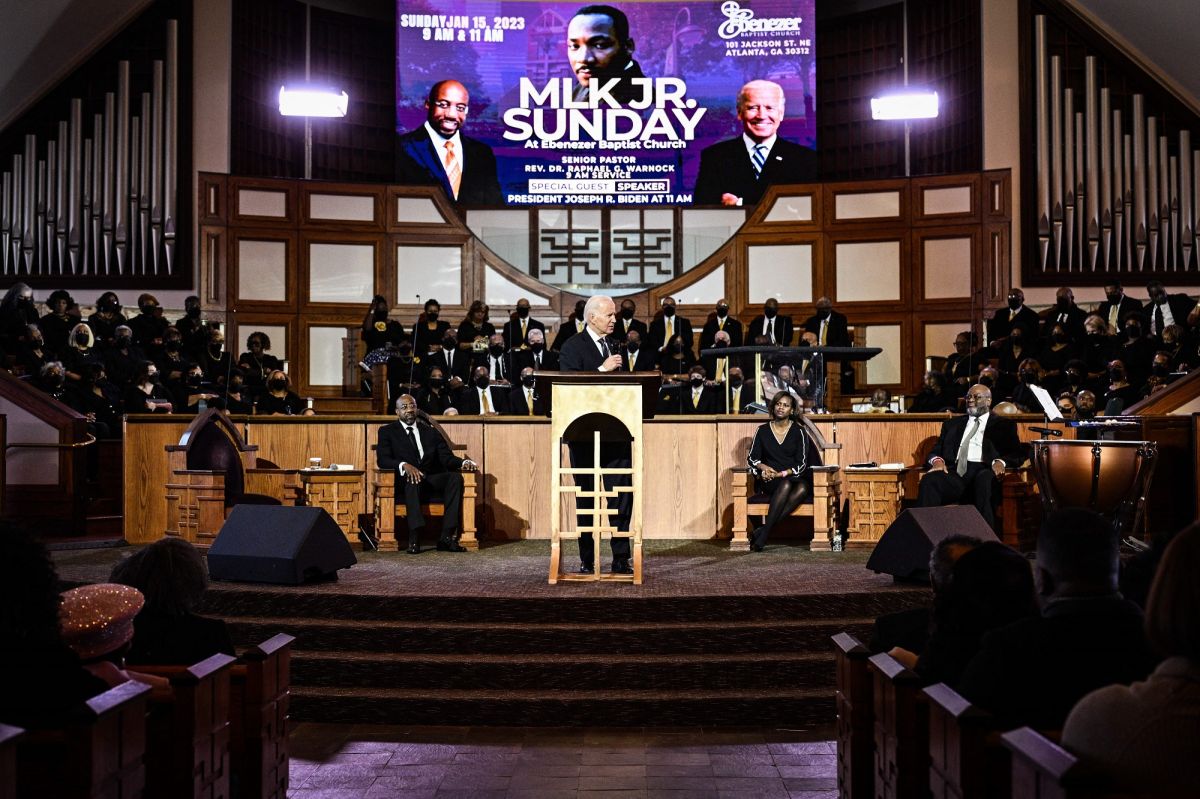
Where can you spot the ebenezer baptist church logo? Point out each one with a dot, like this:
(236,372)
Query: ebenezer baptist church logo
(741,20)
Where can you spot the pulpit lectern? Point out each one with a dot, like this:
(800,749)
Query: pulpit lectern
(597,408)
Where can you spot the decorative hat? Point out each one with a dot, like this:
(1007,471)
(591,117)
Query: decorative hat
(98,619)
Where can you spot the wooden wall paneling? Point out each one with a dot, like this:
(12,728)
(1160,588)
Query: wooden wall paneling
(831,192)
(997,201)
(799,311)
(145,474)
(828,281)
(918,204)
(290,189)
(452,312)
(309,237)
(993,278)
(680,475)
(213,243)
(212,199)
(233,267)
(241,325)
(298,370)
(962,317)
(377,194)
(451,221)
(516,483)
(757,221)
(468,432)
(916,297)
(733,445)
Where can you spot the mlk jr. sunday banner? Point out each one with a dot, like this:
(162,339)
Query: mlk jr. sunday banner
(605,104)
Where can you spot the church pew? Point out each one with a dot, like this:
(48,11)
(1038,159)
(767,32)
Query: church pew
(855,745)
(187,753)
(8,760)
(901,725)
(99,754)
(965,755)
(258,718)
(1041,769)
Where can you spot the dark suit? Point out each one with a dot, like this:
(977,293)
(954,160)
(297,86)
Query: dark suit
(1180,304)
(709,401)
(581,354)
(565,331)
(622,328)
(505,366)
(1071,319)
(641,361)
(441,469)
(1000,441)
(423,337)
(518,405)
(657,335)
(512,331)
(726,168)
(547,361)
(732,326)
(1000,325)
(459,367)
(736,399)
(837,332)
(1127,306)
(783,329)
(469,404)
(418,163)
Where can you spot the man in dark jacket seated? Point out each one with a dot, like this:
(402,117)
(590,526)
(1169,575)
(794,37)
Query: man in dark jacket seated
(1086,637)
(424,465)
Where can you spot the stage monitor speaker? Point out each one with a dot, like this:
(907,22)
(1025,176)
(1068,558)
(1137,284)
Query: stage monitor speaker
(279,544)
(903,549)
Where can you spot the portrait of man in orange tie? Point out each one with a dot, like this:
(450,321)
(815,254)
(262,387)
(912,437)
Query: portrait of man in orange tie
(439,154)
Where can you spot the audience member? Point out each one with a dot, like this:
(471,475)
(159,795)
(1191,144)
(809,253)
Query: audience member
(828,326)
(497,360)
(781,459)
(962,365)
(429,329)
(1145,738)
(699,395)
(1058,348)
(666,327)
(718,365)
(934,398)
(1029,373)
(97,624)
(171,575)
(43,679)
(637,358)
(170,358)
(475,330)
(626,323)
(1015,317)
(257,363)
(80,350)
(1164,309)
(775,327)
(123,358)
(575,323)
(377,329)
(534,354)
(518,327)
(146,393)
(149,327)
(523,399)
(57,323)
(720,321)
(279,399)
(33,354)
(405,370)
(1087,635)
(1120,393)
(737,394)
(1066,313)
(17,313)
(1117,307)
(107,318)
(881,402)
(214,360)
(444,354)
(482,398)
(676,357)
(238,398)
(435,397)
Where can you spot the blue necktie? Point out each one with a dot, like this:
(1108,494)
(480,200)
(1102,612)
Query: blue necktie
(759,158)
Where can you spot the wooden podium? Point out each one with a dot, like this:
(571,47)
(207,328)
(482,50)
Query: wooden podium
(598,408)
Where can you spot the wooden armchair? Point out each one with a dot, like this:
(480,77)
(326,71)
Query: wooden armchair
(212,468)
(826,500)
(387,510)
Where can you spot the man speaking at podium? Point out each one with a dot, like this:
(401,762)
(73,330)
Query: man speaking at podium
(596,351)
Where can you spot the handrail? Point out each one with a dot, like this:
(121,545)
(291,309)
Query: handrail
(91,439)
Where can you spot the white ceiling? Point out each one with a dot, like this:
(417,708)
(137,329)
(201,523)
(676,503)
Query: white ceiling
(41,41)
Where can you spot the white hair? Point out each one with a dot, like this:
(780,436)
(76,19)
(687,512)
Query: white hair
(760,84)
(593,305)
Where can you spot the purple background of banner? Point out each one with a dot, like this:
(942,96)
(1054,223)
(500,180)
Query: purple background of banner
(491,72)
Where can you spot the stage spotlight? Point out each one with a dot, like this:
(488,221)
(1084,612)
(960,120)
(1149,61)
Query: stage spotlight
(306,100)
(905,105)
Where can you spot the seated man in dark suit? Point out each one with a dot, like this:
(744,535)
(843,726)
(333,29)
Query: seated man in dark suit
(700,396)
(535,354)
(1015,315)
(424,466)
(738,171)
(771,325)
(523,399)
(1163,309)
(667,325)
(829,326)
(1086,636)
(626,322)
(575,323)
(517,329)
(482,397)
(719,322)
(970,455)
(718,365)
(637,358)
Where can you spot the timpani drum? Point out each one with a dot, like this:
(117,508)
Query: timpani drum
(1109,477)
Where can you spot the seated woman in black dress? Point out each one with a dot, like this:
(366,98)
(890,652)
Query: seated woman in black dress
(279,401)
(781,458)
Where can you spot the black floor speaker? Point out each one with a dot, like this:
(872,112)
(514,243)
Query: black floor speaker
(903,549)
(279,544)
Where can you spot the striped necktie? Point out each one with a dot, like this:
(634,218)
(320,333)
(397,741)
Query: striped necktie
(453,168)
(759,159)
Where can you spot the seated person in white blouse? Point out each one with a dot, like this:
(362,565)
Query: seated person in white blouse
(781,458)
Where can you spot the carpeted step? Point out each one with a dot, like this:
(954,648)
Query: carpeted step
(670,672)
(551,638)
(645,705)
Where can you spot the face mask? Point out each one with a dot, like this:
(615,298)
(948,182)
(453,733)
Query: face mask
(55,380)
(1159,299)
(579,311)
(236,386)
(1161,369)
(735,382)
(1013,303)
(431,316)
(482,381)
(1134,331)
(1116,375)
(770,313)
(1065,410)
(149,310)
(722,310)
(437,382)
(1113,298)
(824,314)
(1063,304)
(216,346)
(109,306)
(193,313)
(193,380)
(1029,376)
(627,313)
(496,350)
(1059,338)
(537,346)
(171,345)
(153,377)
(277,385)
(677,346)
(719,345)
(1084,413)
(1074,376)
(986,381)
(123,342)
(381,313)
(522,313)
(668,311)
(632,346)
(697,381)
(405,350)
(529,381)
(26,300)
(81,339)
(449,343)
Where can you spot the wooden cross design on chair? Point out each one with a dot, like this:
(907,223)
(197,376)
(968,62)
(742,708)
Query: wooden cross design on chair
(600,527)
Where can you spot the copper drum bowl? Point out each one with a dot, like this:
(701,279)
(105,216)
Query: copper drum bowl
(1109,477)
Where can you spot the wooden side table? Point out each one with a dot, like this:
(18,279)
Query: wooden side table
(339,493)
(874,496)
